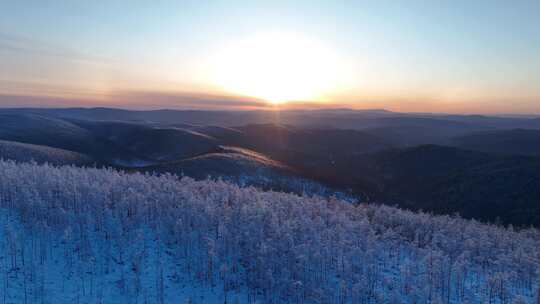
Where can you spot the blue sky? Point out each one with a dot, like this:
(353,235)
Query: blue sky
(456,56)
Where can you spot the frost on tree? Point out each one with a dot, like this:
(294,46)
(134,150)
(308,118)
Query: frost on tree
(74,235)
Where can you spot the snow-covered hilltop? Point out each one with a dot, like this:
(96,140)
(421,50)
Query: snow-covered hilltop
(76,235)
(41,154)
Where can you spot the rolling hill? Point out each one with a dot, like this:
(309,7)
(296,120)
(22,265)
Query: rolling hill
(151,143)
(445,180)
(224,161)
(244,167)
(62,134)
(22,152)
(281,141)
(382,163)
(513,141)
(324,118)
(43,130)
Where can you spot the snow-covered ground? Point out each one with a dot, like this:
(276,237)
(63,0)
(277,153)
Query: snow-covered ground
(75,235)
(41,154)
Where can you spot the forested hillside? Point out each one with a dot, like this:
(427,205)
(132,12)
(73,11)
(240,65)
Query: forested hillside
(42,154)
(481,167)
(76,235)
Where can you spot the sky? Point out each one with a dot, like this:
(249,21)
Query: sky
(413,56)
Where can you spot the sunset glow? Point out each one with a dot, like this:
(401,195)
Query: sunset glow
(278,67)
(454,56)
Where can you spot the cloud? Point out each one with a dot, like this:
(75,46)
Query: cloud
(187,100)
(16,101)
(138,100)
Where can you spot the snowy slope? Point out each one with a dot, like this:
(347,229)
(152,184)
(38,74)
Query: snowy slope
(62,134)
(41,130)
(151,142)
(244,167)
(73,235)
(41,154)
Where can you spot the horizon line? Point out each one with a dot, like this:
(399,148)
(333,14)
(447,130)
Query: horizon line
(307,109)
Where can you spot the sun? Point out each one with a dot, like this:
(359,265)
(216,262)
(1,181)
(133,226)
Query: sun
(277,67)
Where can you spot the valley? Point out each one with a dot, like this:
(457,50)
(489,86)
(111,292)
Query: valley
(484,168)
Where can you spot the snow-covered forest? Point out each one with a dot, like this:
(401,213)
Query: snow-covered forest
(84,235)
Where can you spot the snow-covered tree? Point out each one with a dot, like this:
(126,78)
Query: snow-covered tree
(92,235)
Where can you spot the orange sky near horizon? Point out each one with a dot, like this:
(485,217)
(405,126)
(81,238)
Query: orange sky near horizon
(454,57)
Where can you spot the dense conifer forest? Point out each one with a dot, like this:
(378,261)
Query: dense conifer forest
(86,235)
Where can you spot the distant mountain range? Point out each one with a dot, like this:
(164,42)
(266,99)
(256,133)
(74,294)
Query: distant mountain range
(482,167)
(449,180)
(509,142)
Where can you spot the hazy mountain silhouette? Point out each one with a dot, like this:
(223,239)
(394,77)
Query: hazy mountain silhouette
(514,141)
(378,155)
